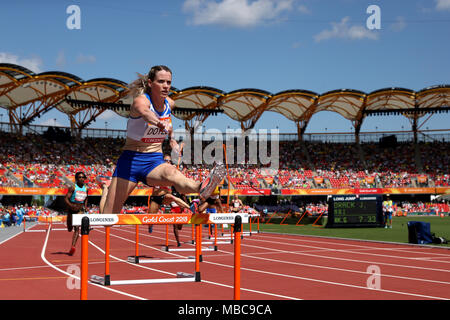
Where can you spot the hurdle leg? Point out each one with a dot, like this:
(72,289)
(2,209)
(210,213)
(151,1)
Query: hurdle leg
(197,252)
(215,237)
(136,244)
(167,237)
(231,233)
(107,245)
(84,257)
(237,258)
(200,242)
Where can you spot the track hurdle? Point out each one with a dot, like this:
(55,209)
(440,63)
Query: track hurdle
(230,236)
(24,223)
(138,259)
(48,221)
(270,218)
(168,249)
(108,220)
(255,216)
(315,221)
(298,222)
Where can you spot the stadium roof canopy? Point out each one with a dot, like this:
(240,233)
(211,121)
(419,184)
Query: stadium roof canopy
(27,95)
(296,105)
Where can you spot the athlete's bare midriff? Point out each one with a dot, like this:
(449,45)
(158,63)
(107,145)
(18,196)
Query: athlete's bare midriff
(139,146)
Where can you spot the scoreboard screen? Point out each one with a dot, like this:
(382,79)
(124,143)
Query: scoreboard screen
(355,211)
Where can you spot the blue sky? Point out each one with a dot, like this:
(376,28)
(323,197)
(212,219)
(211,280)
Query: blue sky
(274,45)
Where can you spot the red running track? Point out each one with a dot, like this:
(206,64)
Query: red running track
(35,265)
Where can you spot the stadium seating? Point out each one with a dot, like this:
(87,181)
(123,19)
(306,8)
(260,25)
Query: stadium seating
(32,160)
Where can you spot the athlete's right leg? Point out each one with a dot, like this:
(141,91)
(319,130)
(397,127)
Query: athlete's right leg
(118,193)
(75,236)
(167,175)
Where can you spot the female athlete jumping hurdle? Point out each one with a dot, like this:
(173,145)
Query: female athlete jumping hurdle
(142,160)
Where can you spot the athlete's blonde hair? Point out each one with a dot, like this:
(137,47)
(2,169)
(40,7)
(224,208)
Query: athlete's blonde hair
(140,85)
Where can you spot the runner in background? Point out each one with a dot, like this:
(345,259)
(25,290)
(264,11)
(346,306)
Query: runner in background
(76,202)
(213,204)
(236,204)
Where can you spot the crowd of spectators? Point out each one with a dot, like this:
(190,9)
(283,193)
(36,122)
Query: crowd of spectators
(436,158)
(420,207)
(14,215)
(34,160)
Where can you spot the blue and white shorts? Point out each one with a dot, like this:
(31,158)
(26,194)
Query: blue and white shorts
(135,166)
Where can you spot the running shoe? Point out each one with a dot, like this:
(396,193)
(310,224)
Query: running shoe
(215,177)
(72,251)
(194,207)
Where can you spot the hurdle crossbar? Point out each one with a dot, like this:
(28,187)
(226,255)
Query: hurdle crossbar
(133,259)
(101,280)
(158,219)
(187,249)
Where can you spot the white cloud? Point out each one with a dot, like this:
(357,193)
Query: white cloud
(343,30)
(34,64)
(82,58)
(61,59)
(443,4)
(399,24)
(236,13)
(303,9)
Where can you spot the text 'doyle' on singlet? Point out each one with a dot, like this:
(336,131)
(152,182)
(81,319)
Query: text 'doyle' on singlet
(145,137)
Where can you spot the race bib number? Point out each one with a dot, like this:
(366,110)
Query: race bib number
(153,134)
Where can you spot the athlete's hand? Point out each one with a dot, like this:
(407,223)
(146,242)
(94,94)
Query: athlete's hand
(163,126)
